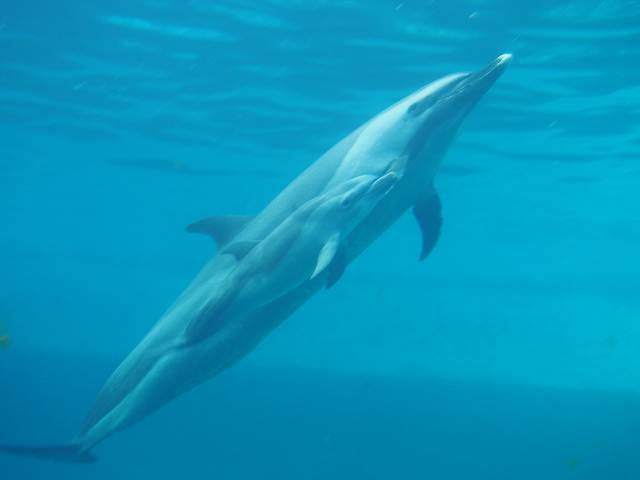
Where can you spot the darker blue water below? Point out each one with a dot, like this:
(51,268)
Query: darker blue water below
(288,424)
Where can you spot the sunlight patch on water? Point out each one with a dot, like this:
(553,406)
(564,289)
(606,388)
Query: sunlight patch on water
(192,33)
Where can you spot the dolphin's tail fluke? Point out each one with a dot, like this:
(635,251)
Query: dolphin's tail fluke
(71,453)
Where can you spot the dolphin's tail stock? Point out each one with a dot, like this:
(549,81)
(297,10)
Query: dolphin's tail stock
(71,453)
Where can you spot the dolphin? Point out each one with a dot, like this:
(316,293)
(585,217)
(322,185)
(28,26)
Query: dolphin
(414,134)
(300,248)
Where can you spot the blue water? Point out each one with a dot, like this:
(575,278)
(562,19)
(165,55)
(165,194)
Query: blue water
(513,351)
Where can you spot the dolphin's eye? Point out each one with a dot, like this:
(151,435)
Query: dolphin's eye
(413,108)
(346,202)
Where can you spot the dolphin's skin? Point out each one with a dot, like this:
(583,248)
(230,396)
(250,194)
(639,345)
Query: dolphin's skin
(416,132)
(301,247)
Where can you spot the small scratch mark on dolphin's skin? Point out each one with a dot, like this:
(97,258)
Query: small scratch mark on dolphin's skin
(77,87)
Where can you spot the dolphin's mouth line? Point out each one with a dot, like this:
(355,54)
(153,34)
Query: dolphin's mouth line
(383,183)
(501,60)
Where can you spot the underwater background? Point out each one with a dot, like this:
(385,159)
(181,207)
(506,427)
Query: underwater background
(511,352)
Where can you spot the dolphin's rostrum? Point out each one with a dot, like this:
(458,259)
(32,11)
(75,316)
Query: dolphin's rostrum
(204,333)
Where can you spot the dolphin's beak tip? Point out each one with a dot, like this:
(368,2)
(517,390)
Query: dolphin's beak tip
(504,59)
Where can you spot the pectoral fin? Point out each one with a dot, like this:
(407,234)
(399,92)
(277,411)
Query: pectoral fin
(428,212)
(222,228)
(338,264)
(327,253)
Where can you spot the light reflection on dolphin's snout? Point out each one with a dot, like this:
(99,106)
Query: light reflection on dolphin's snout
(477,83)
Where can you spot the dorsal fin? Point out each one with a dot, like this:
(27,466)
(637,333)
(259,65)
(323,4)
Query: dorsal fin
(222,228)
(240,249)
